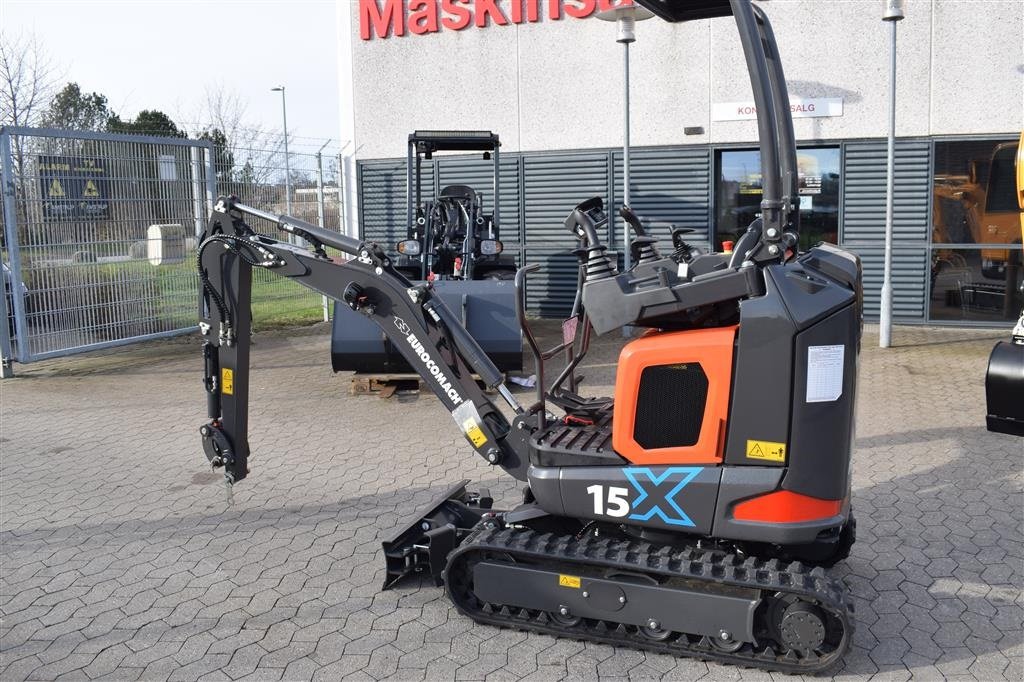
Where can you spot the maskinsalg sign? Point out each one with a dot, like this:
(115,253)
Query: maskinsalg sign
(397,18)
(816,107)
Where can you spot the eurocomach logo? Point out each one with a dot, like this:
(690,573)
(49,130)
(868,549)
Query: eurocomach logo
(387,18)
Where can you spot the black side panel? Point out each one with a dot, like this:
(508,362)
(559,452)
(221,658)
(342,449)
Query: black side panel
(678,498)
(763,375)
(822,430)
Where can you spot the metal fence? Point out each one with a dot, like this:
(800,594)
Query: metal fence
(81,211)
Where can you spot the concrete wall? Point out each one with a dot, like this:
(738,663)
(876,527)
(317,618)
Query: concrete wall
(557,84)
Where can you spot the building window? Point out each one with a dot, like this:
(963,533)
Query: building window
(738,193)
(976,253)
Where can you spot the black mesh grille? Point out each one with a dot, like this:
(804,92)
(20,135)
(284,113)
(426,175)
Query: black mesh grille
(670,406)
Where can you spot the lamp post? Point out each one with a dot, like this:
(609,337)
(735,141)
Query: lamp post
(287,168)
(893,13)
(625,18)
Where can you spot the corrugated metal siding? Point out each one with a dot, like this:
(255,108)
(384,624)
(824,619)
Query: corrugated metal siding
(553,185)
(672,185)
(909,281)
(669,185)
(864,191)
(863,227)
(382,204)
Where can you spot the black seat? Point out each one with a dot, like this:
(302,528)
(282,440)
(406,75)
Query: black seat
(462,192)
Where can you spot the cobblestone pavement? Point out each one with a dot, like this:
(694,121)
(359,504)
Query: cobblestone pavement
(122,559)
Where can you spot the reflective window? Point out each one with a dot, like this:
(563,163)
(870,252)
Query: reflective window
(974,201)
(738,194)
(981,285)
(975,204)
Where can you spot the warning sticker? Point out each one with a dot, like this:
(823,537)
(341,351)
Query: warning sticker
(569,581)
(474,433)
(56,190)
(766,449)
(227,381)
(90,189)
(825,373)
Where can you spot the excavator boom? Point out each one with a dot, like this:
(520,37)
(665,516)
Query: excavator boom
(416,321)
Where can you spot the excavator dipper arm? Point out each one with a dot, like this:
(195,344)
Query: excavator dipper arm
(421,327)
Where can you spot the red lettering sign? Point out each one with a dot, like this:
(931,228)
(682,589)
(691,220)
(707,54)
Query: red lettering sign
(458,17)
(384,23)
(487,8)
(422,16)
(581,10)
(386,18)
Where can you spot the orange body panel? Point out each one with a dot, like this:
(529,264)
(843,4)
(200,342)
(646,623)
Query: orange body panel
(783,506)
(712,349)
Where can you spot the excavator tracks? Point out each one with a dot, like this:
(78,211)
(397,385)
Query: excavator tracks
(789,602)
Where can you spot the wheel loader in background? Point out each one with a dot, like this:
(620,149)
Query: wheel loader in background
(696,510)
(453,242)
(1004,380)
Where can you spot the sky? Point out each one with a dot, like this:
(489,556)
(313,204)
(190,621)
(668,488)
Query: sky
(163,54)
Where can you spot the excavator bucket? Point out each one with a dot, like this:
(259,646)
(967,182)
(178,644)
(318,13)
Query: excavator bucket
(1004,388)
(486,308)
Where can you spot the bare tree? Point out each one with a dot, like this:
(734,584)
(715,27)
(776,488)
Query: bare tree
(257,153)
(28,79)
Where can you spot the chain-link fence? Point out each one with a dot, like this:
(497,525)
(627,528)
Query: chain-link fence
(99,234)
(257,176)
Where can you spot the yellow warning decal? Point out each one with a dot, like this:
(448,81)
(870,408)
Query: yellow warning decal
(227,381)
(569,581)
(56,189)
(90,189)
(766,449)
(474,432)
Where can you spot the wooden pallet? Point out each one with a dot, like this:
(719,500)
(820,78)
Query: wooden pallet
(387,385)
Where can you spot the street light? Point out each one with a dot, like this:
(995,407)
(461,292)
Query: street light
(893,13)
(625,18)
(287,169)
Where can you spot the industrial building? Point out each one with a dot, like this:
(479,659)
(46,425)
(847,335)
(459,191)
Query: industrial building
(547,76)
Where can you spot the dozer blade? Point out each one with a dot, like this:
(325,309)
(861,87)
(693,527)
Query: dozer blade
(423,544)
(1004,389)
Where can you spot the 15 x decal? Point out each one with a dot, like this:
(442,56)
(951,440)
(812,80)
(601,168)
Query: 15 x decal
(655,495)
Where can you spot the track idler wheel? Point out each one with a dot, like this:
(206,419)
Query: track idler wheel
(802,627)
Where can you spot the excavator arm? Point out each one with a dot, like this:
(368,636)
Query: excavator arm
(417,322)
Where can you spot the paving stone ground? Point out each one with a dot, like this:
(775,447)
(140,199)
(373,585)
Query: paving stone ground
(120,558)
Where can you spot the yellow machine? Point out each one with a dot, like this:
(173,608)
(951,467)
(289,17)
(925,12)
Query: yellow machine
(1004,381)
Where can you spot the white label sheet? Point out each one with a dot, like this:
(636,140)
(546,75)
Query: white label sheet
(824,373)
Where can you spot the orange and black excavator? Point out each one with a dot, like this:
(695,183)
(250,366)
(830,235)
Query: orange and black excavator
(1004,381)
(693,513)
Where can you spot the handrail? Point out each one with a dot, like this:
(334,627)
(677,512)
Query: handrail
(538,360)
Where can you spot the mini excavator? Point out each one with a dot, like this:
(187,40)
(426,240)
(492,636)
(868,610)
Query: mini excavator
(692,513)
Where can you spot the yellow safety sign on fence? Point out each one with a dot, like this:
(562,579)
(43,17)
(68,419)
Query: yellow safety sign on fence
(56,189)
(90,189)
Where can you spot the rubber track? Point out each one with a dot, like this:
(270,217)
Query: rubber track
(770,575)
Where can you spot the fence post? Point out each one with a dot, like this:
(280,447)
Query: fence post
(342,197)
(320,210)
(198,214)
(211,178)
(13,252)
